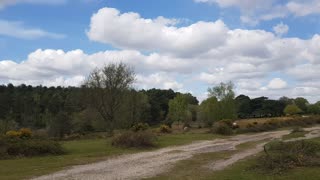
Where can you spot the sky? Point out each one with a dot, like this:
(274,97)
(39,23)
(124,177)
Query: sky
(266,48)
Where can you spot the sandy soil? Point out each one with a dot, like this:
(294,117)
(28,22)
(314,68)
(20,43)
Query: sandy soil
(149,164)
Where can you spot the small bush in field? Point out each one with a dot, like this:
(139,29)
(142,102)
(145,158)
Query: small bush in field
(221,128)
(25,133)
(227,122)
(140,127)
(280,156)
(13,134)
(164,129)
(140,139)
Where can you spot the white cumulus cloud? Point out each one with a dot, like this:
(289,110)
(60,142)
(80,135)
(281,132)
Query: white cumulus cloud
(281,29)
(277,83)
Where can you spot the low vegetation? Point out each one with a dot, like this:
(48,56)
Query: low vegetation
(141,139)
(22,144)
(280,156)
(222,128)
(164,129)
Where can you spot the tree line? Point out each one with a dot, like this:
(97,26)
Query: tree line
(108,101)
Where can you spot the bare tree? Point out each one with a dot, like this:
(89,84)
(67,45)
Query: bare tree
(106,89)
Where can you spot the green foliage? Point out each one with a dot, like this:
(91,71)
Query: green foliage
(302,103)
(222,91)
(59,124)
(159,100)
(220,104)
(292,109)
(140,139)
(178,109)
(280,156)
(134,109)
(258,107)
(164,129)
(140,127)
(107,88)
(313,109)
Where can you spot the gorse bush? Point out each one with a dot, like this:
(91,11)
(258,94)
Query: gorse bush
(17,147)
(24,133)
(140,127)
(140,139)
(280,156)
(164,129)
(13,134)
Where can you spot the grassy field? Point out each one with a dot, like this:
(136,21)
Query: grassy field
(82,152)
(194,169)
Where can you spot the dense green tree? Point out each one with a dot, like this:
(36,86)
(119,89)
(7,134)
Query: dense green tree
(292,109)
(302,103)
(244,108)
(107,87)
(314,109)
(178,109)
(222,91)
(159,104)
(206,112)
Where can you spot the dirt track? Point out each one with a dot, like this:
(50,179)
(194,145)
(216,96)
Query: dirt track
(148,164)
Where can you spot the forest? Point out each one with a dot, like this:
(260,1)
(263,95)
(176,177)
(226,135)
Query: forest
(59,111)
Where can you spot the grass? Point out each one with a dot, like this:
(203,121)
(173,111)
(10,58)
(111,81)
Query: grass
(295,135)
(83,152)
(194,169)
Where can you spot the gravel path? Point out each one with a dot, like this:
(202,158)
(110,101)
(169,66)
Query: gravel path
(149,164)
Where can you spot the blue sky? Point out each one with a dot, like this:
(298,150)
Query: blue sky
(266,48)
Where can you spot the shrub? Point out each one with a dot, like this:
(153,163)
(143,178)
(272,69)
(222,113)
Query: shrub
(227,122)
(13,134)
(140,127)
(164,129)
(140,139)
(25,133)
(28,147)
(280,156)
(221,128)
